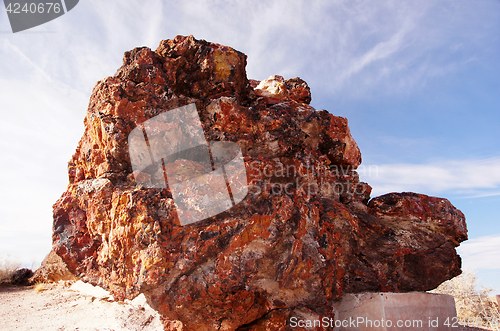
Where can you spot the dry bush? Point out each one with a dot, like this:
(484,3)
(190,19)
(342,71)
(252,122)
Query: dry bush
(39,287)
(7,268)
(473,305)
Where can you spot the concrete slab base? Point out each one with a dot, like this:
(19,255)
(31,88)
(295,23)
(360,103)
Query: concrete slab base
(396,311)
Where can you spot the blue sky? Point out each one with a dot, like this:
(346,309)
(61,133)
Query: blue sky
(418,81)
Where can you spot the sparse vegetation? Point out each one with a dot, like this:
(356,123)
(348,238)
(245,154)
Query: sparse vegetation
(39,287)
(473,305)
(7,268)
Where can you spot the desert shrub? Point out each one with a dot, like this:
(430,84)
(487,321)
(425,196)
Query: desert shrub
(7,268)
(472,304)
(39,287)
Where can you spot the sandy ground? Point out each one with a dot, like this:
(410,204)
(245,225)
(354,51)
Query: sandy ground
(83,308)
(59,308)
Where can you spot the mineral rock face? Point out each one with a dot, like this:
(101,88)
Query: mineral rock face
(306,232)
(52,270)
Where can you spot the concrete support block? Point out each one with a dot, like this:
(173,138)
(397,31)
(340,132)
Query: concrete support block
(396,311)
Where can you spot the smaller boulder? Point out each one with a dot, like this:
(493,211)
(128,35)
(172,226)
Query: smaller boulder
(21,277)
(52,270)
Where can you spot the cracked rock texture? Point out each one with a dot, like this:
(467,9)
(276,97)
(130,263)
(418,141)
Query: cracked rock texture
(306,233)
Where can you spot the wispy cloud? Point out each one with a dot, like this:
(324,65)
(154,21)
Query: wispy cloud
(481,253)
(368,47)
(39,134)
(467,178)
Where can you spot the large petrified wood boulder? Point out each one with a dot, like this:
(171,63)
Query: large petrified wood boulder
(306,232)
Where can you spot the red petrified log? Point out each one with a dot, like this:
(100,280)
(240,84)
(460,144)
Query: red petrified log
(306,233)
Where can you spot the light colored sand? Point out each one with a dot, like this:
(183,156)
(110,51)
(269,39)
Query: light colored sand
(59,308)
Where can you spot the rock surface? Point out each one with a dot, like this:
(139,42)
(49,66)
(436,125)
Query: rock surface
(52,270)
(21,277)
(414,311)
(306,233)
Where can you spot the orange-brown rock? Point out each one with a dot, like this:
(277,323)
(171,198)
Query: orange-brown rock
(306,233)
(52,270)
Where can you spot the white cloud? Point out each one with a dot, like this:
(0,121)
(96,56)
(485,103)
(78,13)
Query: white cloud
(481,253)
(471,178)
(342,48)
(385,47)
(364,47)
(38,136)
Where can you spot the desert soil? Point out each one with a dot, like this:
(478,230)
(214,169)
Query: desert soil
(61,308)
